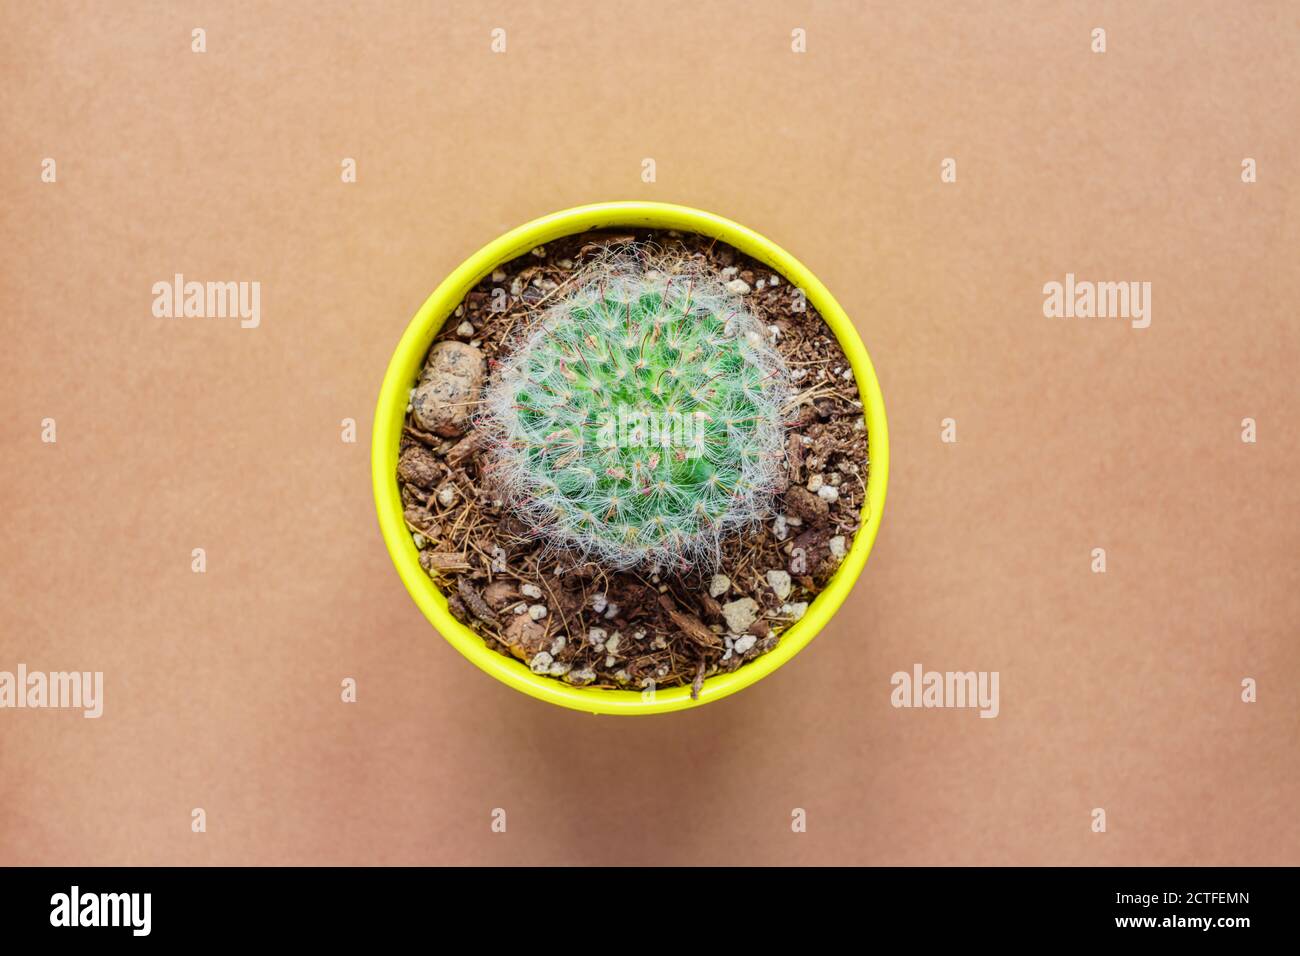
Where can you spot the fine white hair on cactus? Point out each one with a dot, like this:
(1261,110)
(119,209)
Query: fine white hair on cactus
(640,420)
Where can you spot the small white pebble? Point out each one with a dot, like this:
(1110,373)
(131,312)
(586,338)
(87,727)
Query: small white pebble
(447,495)
(829,493)
(847,375)
(779,581)
(521,607)
(745,643)
(638,635)
(530,590)
(795,611)
(597,636)
(498,275)
(730,272)
(815,483)
(516,286)
(419,539)
(465,330)
(565,263)
(760,284)
(598,602)
(557,645)
(779,527)
(738,287)
(611,645)
(611,612)
(610,660)
(584,676)
(794,521)
(798,375)
(837,546)
(537,612)
(475,343)
(541,662)
(775,280)
(719,585)
(559,669)
(540,252)
(460,310)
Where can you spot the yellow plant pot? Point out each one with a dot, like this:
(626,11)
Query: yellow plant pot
(405,367)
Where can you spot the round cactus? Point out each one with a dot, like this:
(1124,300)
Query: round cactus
(640,420)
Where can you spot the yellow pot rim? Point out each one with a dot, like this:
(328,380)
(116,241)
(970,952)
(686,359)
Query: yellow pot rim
(401,376)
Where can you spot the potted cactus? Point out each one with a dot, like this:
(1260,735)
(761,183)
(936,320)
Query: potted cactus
(642,420)
(630,457)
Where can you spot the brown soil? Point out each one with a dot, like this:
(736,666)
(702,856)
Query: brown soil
(636,628)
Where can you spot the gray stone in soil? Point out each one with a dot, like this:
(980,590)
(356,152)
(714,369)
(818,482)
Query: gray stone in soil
(449,386)
(740,614)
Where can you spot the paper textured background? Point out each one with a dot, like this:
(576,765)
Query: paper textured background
(1118,690)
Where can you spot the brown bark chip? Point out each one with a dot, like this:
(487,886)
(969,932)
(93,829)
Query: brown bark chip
(811,555)
(527,638)
(688,623)
(578,622)
(474,601)
(802,503)
(443,560)
(500,595)
(463,450)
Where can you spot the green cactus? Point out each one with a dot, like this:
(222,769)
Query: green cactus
(641,419)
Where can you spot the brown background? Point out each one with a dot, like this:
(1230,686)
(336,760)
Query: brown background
(1119,690)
